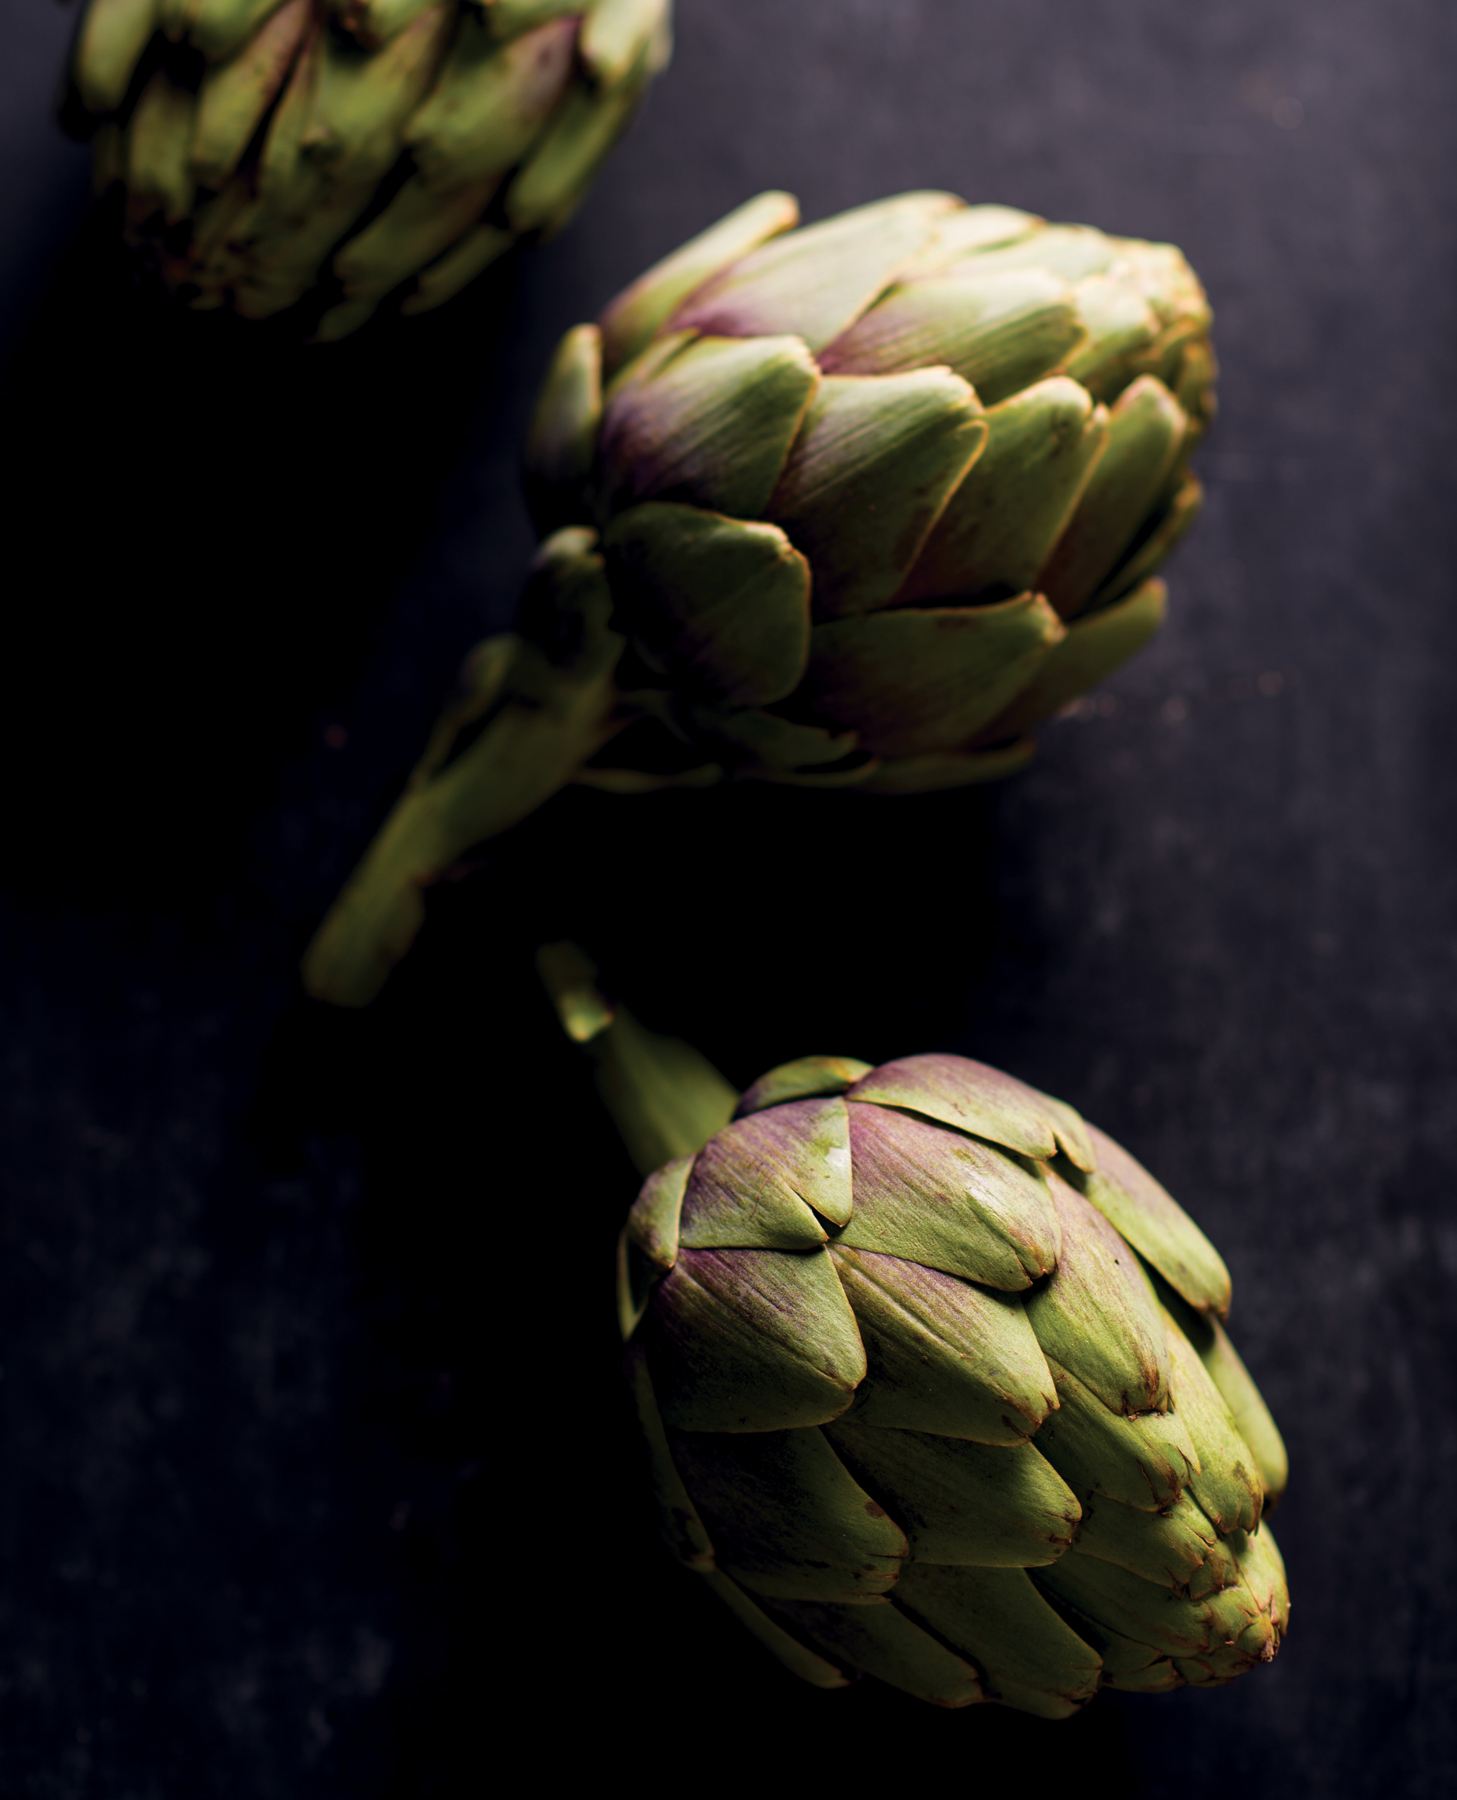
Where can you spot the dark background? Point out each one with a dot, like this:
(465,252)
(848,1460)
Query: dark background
(312,1476)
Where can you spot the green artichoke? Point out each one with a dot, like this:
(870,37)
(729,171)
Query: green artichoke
(850,505)
(935,1388)
(352,149)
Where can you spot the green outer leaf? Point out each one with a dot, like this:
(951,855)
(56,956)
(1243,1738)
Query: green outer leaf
(814,281)
(235,95)
(1120,324)
(1029,1658)
(753,1340)
(1072,1133)
(1073,252)
(1004,519)
(418,225)
(1000,332)
(1228,1485)
(1153,547)
(796,1657)
(806,1078)
(666,1099)
(679,1524)
(761,743)
(914,681)
(711,425)
(786,1518)
(562,436)
(947,769)
(968,232)
(941,1198)
(942,1355)
(1247,1408)
(220,27)
(997,1506)
(874,463)
(971,1096)
(1145,1213)
(1144,1462)
(1169,1547)
(755,1182)
(1134,1667)
(1097,1314)
(719,604)
(1095,645)
(640,310)
(555,176)
(489,102)
(653,1223)
(508,17)
(616,33)
(882,1641)
(362,100)
(1145,430)
(1142,1610)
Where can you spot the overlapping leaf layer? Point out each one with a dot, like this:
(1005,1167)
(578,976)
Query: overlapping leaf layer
(872,497)
(353,149)
(935,1388)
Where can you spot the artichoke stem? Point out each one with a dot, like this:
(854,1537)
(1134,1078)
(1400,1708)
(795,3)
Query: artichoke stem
(665,1098)
(533,746)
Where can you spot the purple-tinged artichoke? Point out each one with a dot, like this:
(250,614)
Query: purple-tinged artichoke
(349,150)
(935,1388)
(932,1377)
(849,505)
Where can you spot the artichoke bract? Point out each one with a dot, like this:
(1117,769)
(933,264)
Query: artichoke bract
(855,504)
(935,1387)
(349,150)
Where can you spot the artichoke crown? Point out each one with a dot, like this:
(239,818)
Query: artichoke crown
(935,1387)
(352,148)
(874,495)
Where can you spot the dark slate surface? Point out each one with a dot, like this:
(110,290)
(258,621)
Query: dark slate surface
(313,1481)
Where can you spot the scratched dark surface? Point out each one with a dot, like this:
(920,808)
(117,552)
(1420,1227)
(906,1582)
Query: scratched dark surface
(312,1477)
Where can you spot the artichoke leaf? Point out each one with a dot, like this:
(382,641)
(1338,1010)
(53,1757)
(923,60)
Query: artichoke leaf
(947,1200)
(1146,1462)
(719,604)
(235,94)
(759,1182)
(958,1501)
(1145,1611)
(1095,645)
(416,226)
(970,1096)
(1072,252)
(916,681)
(679,1524)
(797,1657)
(1228,1484)
(806,1078)
(653,1225)
(708,421)
(1154,544)
(968,232)
(815,281)
(1001,524)
(941,1355)
(220,27)
(1141,1210)
(112,36)
(1000,332)
(488,103)
(563,431)
(1028,1656)
(640,310)
(874,464)
(1146,428)
(753,1340)
(363,99)
(1097,1315)
(883,1641)
(465,259)
(555,176)
(615,34)
(763,744)
(786,1518)
(1169,1547)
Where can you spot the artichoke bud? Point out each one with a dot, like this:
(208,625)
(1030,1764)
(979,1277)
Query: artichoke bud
(933,1387)
(972,427)
(334,154)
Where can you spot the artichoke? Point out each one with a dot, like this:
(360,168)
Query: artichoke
(934,1387)
(849,505)
(352,149)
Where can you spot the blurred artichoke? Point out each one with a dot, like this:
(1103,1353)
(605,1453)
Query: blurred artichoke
(353,149)
(934,1388)
(856,505)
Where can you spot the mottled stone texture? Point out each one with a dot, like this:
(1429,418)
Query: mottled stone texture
(308,1400)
